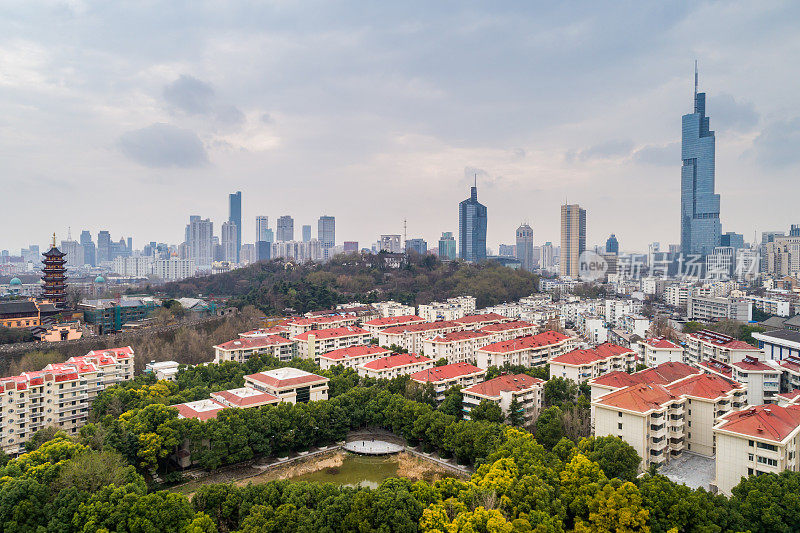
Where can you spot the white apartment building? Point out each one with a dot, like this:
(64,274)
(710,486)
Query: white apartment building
(473,322)
(613,310)
(713,307)
(509,330)
(763,439)
(301,325)
(243,348)
(677,295)
(773,306)
(659,350)
(452,309)
(60,395)
(705,344)
(461,375)
(163,370)
(503,390)
(392,308)
(779,345)
(315,342)
(592,328)
(508,310)
(457,346)
(763,381)
(377,325)
(660,421)
(634,324)
(653,285)
(174,268)
(532,350)
(352,356)
(412,337)
(583,365)
(290,384)
(398,364)
(136,267)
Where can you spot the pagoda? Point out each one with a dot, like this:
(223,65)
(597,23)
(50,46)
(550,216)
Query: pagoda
(55,276)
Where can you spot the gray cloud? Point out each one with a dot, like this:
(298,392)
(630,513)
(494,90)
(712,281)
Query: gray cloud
(190,95)
(162,145)
(662,155)
(778,145)
(605,150)
(730,114)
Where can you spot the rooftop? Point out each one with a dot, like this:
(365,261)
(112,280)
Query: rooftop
(478,319)
(321,320)
(527,342)
(782,334)
(441,373)
(422,327)
(244,397)
(708,386)
(506,326)
(661,342)
(718,339)
(331,333)
(355,351)
(504,383)
(396,360)
(454,336)
(764,422)
(201,409)
(642,397)
(394,320)
(751,364)
(248,343)
(285,377)
(600,352)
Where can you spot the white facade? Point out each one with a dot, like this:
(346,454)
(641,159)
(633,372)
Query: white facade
(452,309)
(395,365)
(503,390)
(658,351)
(392,308)
(533,350)
(174,269)
(456,347)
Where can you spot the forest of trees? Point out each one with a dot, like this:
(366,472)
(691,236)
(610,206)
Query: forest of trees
(275,286)
(101,480)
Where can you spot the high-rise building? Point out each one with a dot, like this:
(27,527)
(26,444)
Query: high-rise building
(795,230)
(230,237)
(472,221)
(235,216)
(734,240)
(447,246)
(573,239)
(285,229)
(417,245)
(73,252)
(548,256)
(612,245)
(89,257)
(200,241)
(700,206)
(525,246)
(306,232)
(390,243)
(262,226)
(103,247)
(350,247)
(326,233)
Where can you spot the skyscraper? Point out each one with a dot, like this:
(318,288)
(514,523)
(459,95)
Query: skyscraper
(612,245)
(700,225)
(306,232)
(230,235)
(285,230)
(472,227)
(525,246)
(235,216)
(103,247)
(200,241)
(89,253)
(548,256)
(326,233)
(262,225)
(573,239)
(417,245)
(447,246)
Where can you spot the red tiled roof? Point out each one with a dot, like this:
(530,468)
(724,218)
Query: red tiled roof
(421,328)
(790,365)
(506,382)
(442,373)
(717,366)
(320,320)
(591,355)
(394,320)
(331,333)
(396,360)
(477,319)
(527,342)
(616,379)
(248,343)
(707,386)
(188,410)
(260,332)
(355,351)
(119,353)
(640,398)
(719,339)
(278,382)
(751,364)
(454,336)
(661,342)
(766,422)
(245,397)
(789,396)
(506,326)
(666,373)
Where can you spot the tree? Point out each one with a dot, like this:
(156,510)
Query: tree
(559,390)
(442,361)
(549,427)
(453,403)
(769,502)
(616,457)
(487,410)
(516,413)
(615,510)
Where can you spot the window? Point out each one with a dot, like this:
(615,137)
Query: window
(765,446)
(620,414)
(750,443)
(749,456)
(767,461)
(619,426)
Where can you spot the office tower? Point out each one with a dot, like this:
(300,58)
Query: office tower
(795,230)
(612,245)
(447,246)
(230,238)
(103,247)
(733,240)
(390,243)
(73,253)
(674,249)
(417,245)
(548,256)
(89,251)
(262,225)
(472,227)
(652,250)
(285,229)
(573,239)
(130,245)
(235,216)
(326,233)
(263,250)
(200,241)
(350,247)
(525,246)
(306,232)
(700,225)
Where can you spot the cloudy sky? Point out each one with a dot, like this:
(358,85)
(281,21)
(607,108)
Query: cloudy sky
(130,116)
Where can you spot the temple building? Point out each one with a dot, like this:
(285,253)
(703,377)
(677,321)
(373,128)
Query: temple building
(55,276)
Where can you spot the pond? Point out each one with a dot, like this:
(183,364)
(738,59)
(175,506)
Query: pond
(356,470)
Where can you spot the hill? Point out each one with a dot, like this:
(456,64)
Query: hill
(276,285)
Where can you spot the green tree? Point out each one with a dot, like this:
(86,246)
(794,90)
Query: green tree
(453,403)
(617,510)
(487,410)
(559,390)
(516,413)
(616,457)
(549,427)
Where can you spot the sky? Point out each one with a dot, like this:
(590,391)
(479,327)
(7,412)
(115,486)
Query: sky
(131,116)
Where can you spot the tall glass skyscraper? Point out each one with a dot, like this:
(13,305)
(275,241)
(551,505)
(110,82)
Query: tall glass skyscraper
(235,216)
(472,228)
(700,225)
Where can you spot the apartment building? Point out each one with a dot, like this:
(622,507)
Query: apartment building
(779,345)
(281,331)
(503,390)
(634,324)
(531,350)
(301,325)
(705,344)
(289,384)
(60,395)
(583,365)
(762,439)
(398,364)
(392,308)
(163,370)
(456,347)
(660,421)
(592,328)
(377,325)
(315,342)
(709,308)
(462,375)
(658,350)
(475,322)
(677,295)
(452,309)
(763,381)
(352,356)
(243,348)
(412,337)
(772,306)
(509,330)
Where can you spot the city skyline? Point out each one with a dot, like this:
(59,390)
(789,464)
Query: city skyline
(564,113)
